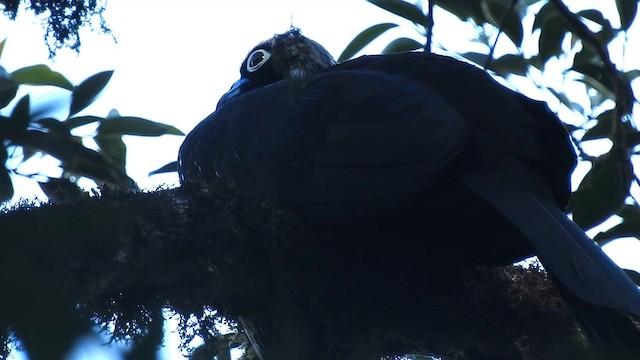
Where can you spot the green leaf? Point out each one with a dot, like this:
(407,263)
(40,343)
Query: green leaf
(170,167)
(41,75)
(464,10)
(536,62)
(510,64)
(627,10)
(113,148)
(129,125)
(547,14)
(6,186)
(364,38)
(596,72)
(75,158)
(8,91)
(19,119)
(595,16)
(564,99)
(477,58)
(403,9)
(633,275)
(587,55)
(78,121)
(602,191)
(401,45)
(550,43)
(503,16)
(86,92)
(602,129)
(624,229)
(53,126)
(632,74)
(607,33)
(2,44)
(601,90)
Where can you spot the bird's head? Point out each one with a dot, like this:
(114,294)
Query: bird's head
(284,56)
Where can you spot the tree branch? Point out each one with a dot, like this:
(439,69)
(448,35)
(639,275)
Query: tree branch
(622,89)
(121,257)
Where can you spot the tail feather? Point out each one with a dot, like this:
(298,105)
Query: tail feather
(562,246)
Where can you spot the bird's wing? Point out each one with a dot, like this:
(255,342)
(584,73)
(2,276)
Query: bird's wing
(335,137)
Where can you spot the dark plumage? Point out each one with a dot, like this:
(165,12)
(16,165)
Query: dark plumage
(418,153)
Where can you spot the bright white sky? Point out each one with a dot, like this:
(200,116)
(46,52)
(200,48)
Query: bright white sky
(173,60)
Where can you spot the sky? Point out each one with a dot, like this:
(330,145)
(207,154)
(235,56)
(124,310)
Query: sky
(173,62)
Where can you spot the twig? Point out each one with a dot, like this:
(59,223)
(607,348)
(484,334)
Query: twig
(502,23)
(429,27)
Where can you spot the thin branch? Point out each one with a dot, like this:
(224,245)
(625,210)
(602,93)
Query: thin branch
(430,27)
(503,21)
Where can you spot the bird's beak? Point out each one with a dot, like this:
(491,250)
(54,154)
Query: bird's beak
(236,90)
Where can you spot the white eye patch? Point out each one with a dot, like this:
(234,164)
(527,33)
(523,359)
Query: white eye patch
(256,59)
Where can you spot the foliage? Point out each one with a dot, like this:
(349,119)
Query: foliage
(123,258)
(580,43)
(27,132)
(62,19)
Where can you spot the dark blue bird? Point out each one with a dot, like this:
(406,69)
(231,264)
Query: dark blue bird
(418,152)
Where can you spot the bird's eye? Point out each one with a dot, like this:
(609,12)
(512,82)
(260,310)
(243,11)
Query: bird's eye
(257,59)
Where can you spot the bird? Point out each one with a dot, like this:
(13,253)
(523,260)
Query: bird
(420,148)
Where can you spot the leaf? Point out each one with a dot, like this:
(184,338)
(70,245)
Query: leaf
(601,90)
(53,126)
(562,97)
(627,10)
(596,76)
(129,125)
(607,33)
(8,91)
(464,9)
(587,55)
(19,119)
(550,42)
(602,191)
(170,167)
(6,186)
(403,9)
(595,16)
(114,149)
(400,45)
(2,44)
(86,92)
(632,74)
(504,17)
(547,14)
(624,229)
(477,58)
(41,75)
(602,129)
(510,64)
(363,39)
(78,121)
(633,275)
(74,156)
(536,62)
